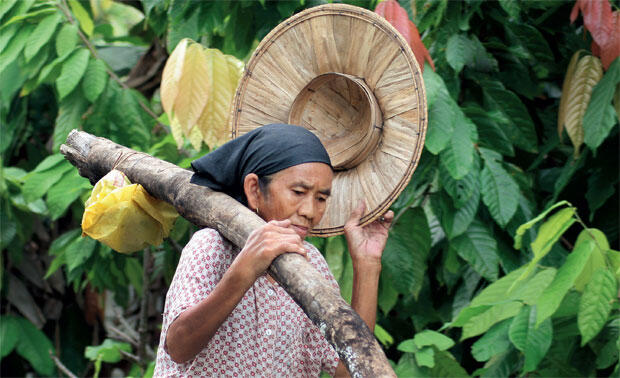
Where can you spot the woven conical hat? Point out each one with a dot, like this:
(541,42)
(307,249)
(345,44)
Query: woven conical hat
(348,76)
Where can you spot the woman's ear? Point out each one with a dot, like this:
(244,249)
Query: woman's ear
(252,190)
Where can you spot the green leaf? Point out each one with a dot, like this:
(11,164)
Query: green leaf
(425,357)
(8,230)
(133,271)
(407,346)
(407,367)
(478,247)
(65,191)
(7,35)
(51,71)
(432,338)
(526,226)
(495,341)
(454,221)
(78,251)
(335,249)
(69,117)
(346,280)
(481,323)
(441,120)
(15,46)
(35,347)
(517,124)
(41,34)
(108,351)
(6,6)
(388,296)
(498,291)
(600,117)
(72,71)
(529,38)
(462,191)
(447,366)
(500,192)
(9,334)
(491,133)
(530,338)
(501,365)
(551,298)
(67,39)
(383,336)
(548,234)
(406,252)
(38,182)
(86,22)
(458,156)
(459,51)
(533,288)
(434,84)
(596,260)
(30,16)
(511,7)
(95,79)
(596,304)
(134,131)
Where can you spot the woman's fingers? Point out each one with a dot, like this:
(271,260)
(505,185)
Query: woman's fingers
(356,215)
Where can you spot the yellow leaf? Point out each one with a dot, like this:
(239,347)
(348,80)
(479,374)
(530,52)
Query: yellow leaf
(570,71)
(214,121)
(588,72)
(81,14)
(195,137)
(177,131)
(194,88)
(172,75)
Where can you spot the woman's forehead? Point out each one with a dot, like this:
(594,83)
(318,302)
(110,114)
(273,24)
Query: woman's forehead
(312,175)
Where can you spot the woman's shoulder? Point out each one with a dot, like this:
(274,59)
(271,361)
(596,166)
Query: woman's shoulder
(209,238)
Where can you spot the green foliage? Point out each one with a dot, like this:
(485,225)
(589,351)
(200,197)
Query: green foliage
(471,254)
(29,342)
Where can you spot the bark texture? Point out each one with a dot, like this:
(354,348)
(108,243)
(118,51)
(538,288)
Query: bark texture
(341,325)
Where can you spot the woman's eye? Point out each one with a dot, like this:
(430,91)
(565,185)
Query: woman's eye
(322,199)
(298,192)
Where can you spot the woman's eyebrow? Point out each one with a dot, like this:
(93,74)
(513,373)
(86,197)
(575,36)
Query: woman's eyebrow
(306,186)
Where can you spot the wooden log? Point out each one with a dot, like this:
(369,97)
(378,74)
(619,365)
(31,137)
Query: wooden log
(338,322)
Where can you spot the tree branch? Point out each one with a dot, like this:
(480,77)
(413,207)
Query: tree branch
(61,366)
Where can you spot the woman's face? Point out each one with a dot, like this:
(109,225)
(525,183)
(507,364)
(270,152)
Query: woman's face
(298,193)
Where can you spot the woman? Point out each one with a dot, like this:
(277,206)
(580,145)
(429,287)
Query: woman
(224,314)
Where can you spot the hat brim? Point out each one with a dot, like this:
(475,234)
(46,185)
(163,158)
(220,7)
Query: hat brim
(350,40)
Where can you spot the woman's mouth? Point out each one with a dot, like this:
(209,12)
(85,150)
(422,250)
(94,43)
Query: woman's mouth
(301,230)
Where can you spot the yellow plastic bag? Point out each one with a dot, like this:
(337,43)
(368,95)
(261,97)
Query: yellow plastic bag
(124,216)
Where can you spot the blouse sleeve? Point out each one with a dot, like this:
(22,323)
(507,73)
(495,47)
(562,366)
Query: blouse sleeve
(322,350)
(203,262)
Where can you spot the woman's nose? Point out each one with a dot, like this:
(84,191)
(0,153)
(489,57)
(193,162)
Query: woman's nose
(306,208)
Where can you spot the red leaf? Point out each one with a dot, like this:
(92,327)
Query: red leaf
(611,49)
(595,48)
(397,17)
(597,18)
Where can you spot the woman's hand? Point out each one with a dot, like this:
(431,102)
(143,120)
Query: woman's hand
(267,243)
(366,243)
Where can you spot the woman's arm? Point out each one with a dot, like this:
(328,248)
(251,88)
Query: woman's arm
(191,331)
(366,246)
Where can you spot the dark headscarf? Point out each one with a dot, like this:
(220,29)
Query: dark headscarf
(263,151)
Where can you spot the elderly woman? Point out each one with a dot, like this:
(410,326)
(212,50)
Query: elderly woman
(224,315)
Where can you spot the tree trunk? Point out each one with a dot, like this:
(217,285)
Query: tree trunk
(337,321)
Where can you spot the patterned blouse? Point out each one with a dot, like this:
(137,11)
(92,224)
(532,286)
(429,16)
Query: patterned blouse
(266,335)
